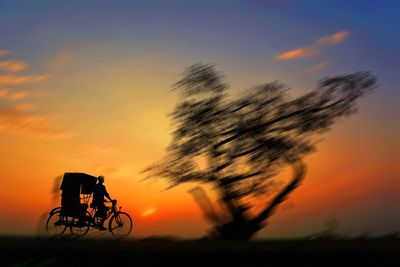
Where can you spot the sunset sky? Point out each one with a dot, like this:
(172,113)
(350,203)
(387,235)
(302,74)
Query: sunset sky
(85,86)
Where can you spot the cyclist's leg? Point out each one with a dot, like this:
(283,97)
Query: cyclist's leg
(103,216)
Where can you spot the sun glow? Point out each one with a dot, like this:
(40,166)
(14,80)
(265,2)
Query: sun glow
(148,212)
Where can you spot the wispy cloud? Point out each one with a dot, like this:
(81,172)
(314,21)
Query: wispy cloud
(3,92)
(3,52)
(13,65)
(18,95)
(309,70)
(319,66)
(103,159)
(315,48)
(23,117)
(297,53)
(17,120)
(62,59)
(13,79)
(13,94)
(25,107)
(332,39)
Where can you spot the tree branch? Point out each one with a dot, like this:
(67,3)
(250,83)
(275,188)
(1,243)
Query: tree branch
(299,173)
(236,178)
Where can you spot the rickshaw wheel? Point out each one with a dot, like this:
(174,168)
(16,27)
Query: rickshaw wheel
(80,228)
(56,224)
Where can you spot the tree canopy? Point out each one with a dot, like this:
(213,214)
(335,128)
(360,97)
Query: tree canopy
(246,141)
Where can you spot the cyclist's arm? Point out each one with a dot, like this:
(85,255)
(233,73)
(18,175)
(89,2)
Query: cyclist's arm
(106,194)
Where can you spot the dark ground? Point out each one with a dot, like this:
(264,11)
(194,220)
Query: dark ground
(35,251)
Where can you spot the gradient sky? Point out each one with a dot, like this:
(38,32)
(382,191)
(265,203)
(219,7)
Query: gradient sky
(85,86)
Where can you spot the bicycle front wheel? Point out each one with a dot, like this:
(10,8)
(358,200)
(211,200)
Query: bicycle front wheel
(120,225)
(56,224)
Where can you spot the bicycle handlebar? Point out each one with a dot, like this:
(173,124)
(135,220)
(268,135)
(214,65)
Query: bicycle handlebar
(114,201)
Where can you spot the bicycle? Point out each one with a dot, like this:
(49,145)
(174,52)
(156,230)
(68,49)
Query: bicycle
(120,223)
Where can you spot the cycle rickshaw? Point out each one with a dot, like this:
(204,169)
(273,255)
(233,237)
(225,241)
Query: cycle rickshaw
(74,214)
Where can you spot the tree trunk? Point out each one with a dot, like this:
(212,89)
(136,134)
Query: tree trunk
(242,229)
(299,171)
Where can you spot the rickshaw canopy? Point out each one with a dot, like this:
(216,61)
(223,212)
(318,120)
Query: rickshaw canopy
(76,183)
(73,185)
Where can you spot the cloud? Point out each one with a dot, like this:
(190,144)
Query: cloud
(17,95)
(3,52)
(3,92)
(104,158)
(21,79)
(315,48)
(22,118)
(319,66)
(332,39)
(297,53)
(17,119)
(13,65)
(25,107)
(13,94)
(61,59)
(310,69)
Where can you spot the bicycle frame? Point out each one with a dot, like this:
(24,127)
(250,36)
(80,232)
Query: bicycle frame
(110,211)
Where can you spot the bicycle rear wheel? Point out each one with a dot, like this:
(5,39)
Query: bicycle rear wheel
(80,227)
(56,224)
(120,225)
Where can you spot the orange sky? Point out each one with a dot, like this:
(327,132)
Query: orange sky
(109,130)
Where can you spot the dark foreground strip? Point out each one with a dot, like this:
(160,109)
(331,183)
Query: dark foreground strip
(16,251)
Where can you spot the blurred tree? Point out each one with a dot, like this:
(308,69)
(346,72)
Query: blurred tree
(243,143)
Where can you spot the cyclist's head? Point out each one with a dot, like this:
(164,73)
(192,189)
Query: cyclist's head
(101,179)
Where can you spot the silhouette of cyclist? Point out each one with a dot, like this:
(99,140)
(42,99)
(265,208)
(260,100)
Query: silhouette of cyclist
(99,192)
